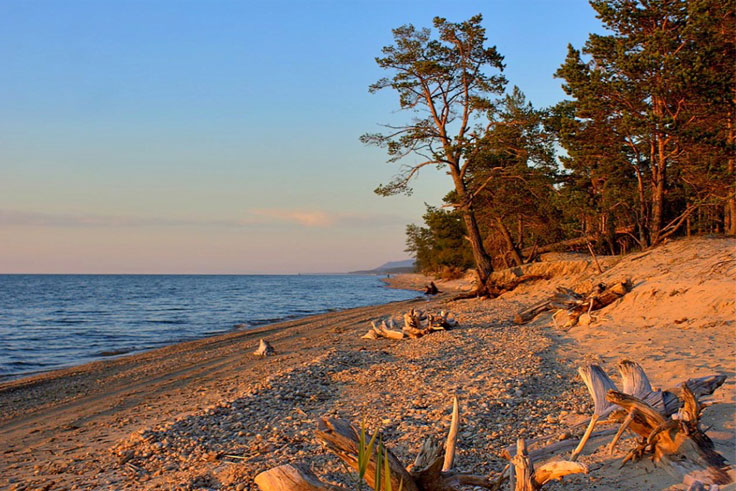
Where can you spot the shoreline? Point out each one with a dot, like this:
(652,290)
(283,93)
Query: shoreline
(111,354)
(169,417)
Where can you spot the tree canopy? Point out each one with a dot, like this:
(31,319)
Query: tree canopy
(642,149)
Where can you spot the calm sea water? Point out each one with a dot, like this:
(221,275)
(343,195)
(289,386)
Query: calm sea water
(54,321)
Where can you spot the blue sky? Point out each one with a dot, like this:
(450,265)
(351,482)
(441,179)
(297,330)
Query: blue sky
(211,136)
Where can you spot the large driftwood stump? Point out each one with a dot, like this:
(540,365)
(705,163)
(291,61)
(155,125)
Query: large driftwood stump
(598,384)
(264,349)
(680,445)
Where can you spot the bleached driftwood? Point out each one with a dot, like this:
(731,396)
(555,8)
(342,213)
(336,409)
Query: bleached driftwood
(598,384)
(425,474)
(574,304)
(416,325)
(452,437)
(636,383)
(526,478)
(541,449)
(679,444)
(413,324)
(382,331)
(264,349)
(290,477)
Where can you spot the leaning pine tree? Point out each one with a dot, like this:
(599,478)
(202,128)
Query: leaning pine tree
(445,82)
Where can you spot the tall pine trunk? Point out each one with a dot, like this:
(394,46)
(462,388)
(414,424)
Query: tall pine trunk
(482,259)
(730,226)
(659,176)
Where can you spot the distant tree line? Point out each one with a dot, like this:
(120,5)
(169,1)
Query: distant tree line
(642,150)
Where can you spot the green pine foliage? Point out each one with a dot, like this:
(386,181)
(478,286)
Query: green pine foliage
(643,149)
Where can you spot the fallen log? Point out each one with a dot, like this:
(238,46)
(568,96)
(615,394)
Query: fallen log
(575,304)
(264,349)
(529,313)
(493,290)
(290,477)
(578,241)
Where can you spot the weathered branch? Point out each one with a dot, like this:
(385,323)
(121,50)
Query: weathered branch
(452,436)
(343,440)
(527,479)
(290,477)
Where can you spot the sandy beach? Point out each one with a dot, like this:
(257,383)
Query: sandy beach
(208,415)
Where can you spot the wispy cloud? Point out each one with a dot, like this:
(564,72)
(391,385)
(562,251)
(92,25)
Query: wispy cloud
(306,218)
(250,218)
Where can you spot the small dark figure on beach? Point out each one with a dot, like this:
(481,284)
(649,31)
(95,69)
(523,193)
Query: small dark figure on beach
(431,289)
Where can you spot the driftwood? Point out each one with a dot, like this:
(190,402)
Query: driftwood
(431,470)
(383,331)
(292,478)
(416,325)
(679,444)
(493,289)
(685,449)
(264,349)
(598,384)
(541,449)
(575,304)
(342,439)
(526,478)
(431,289)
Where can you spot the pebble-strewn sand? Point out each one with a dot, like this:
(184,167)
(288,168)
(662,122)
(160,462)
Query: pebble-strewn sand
(208,415)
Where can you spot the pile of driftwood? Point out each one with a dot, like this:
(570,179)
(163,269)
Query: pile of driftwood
(432,469)
(573,306)
(666,422)
(416,325)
